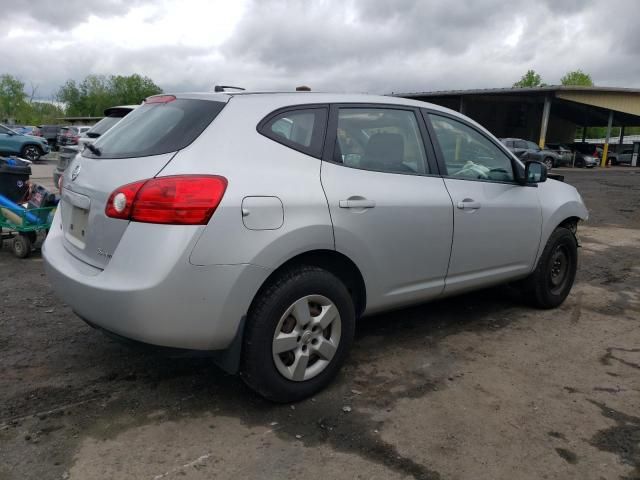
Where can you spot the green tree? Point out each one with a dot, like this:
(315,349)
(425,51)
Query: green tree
(12,97)
(132,89)
(96,93)
(529,79)
(39,113)
(577,77)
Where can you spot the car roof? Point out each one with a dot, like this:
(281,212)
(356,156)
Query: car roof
(301,98)
(283,99)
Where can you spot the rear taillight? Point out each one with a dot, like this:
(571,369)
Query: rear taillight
(177,200)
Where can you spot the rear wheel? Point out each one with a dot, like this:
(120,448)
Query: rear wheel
(549,163)
(31,153)
(549,285)
(299,331)
(21,246)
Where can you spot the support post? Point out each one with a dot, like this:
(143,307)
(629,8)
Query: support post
(463,106)
(621,139)
(584,133)
(546,110)
(605,150)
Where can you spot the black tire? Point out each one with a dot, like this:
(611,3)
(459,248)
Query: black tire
(549,163)
(258,367)
(21,246)
(550,283)
(31,152)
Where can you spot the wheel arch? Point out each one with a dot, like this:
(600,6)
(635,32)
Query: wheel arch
(571,223)
(32,144)
(335,262)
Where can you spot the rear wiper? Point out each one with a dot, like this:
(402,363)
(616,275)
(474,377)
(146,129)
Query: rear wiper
(93,149)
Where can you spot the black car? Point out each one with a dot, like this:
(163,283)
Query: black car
(526,150)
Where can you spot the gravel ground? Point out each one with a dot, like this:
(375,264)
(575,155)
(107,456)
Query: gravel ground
(475,387)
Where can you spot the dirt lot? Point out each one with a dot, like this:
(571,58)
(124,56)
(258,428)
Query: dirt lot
(476,387)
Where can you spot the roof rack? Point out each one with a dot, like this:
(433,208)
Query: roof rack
(223,88)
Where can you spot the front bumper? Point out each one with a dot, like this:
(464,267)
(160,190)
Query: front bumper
(149,291)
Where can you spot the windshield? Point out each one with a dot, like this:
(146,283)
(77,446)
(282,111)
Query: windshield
(7,130)
(156,128)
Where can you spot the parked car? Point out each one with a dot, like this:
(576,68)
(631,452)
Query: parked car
(25,146)
(621,158)
(70,135)
(563,151)
(526,150)
(587,155)
(112,116)
(261,226)
(26,130)
(50,132)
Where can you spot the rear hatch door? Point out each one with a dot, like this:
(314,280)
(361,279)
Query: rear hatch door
(137,148)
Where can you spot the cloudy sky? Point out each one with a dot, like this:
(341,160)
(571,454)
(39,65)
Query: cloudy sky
(375,46)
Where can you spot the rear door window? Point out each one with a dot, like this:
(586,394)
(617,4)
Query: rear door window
(380,139)
(156,128)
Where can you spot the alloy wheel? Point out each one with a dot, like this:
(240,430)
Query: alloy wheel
(31,153)
(306,338)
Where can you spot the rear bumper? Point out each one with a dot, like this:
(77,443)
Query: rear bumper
(151,293)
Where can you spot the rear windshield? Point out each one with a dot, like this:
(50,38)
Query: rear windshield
(157,128)
(103,125)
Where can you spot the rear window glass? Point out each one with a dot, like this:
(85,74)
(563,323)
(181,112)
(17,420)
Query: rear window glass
(156,128)
(103,125)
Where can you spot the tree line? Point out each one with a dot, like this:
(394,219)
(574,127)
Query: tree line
(90,98)
(532,79)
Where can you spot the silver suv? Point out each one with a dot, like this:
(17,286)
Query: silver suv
(261,226)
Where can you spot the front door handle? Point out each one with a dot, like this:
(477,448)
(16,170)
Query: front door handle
(469,204)
(359,203)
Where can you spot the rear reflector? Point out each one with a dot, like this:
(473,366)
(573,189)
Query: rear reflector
(160,99)
(176,200)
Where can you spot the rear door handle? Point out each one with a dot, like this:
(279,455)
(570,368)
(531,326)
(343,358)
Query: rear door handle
(363,203)
(468,204)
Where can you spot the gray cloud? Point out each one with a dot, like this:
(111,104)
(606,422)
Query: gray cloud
(350,45)
(62,15)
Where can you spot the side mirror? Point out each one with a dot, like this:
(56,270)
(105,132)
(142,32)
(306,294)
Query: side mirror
(535,172)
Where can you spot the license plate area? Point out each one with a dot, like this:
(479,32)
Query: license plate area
(76,228)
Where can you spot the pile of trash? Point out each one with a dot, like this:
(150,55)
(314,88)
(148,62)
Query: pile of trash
(20,200)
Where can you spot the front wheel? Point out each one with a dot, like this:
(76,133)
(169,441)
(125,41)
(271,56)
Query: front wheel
(31,153)
(298,334)
(550,283)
